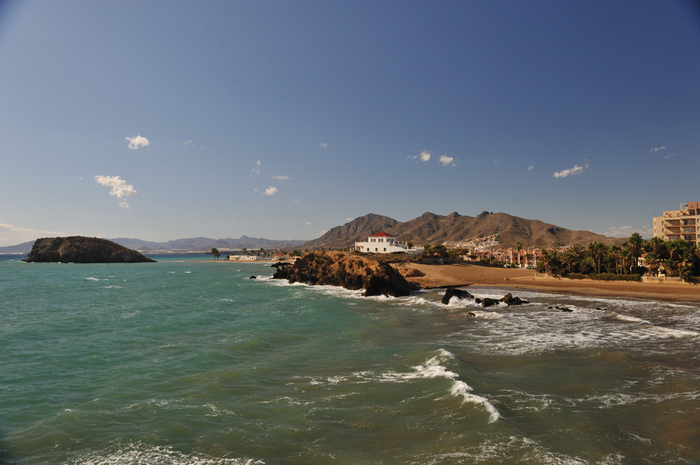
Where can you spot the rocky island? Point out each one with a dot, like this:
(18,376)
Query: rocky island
(80,249)
(350,271)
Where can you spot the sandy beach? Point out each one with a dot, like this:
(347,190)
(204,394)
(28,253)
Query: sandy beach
(473,275)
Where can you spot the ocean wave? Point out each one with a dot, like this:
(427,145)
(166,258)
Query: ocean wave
(431,368)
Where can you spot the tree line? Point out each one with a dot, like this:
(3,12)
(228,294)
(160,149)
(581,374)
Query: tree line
(597,260)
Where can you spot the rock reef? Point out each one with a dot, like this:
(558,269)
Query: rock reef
(350,271)
(80,249)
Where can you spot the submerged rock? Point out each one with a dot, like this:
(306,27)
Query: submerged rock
(350,271)
(80,249)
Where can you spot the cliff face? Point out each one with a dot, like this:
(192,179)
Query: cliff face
(348,271)
(79,249)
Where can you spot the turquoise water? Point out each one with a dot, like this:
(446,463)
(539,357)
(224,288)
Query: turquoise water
(183,362)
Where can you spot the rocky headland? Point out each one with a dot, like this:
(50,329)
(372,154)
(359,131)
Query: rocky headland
(350,271)
(79,249)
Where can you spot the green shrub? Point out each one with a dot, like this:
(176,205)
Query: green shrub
(615,277)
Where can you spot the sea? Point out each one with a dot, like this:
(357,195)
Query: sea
(197,362)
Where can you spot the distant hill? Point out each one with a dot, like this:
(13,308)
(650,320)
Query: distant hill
(195,244)
(24,248)
(430,228)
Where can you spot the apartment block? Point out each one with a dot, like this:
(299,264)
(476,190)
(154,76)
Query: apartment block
(679,224)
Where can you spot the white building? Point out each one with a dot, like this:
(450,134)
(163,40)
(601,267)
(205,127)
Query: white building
(384,243)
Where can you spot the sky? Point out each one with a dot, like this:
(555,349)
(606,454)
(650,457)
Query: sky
(281,119)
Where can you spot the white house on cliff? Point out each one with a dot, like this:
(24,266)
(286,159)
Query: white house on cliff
(383,243)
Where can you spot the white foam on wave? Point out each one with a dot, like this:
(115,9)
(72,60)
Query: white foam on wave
(621,398)
(92,278)
(142,453)
(661,332)
(433,369)
(628,318)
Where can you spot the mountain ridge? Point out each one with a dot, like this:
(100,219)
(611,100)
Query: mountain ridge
(430,228)
(193,244)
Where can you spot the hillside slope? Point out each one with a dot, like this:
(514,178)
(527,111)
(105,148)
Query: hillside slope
(430,228)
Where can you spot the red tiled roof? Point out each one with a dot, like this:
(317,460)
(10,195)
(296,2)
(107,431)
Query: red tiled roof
(381,234)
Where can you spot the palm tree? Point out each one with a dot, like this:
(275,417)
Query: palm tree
(215,252)
(518,247)
(597,249)
(653,261)
(635,244)
(615,253)
(654,245)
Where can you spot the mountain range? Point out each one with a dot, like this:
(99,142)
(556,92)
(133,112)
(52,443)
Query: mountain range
(430,228)
(194,244)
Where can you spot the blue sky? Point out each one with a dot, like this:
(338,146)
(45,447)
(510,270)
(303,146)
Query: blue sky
(282,119)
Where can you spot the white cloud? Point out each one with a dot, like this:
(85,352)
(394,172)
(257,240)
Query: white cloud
(495,162)
(669,156)
(308,223)
(296,201)
(137,142)
(323,145)
(120,188)
(13,235)
(656,149)
(256,170)
(627,231)
(531,167)
(281,178)
(271,191)
(423,156)
(348,219)
(576,170)
(446,161)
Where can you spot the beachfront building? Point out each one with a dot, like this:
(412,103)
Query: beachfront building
(384,243)
(243,258)
(679,224)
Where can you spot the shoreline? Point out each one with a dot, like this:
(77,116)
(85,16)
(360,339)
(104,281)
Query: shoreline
(472,275)
(466,274)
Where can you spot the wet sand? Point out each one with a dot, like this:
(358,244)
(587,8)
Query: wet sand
(469,274)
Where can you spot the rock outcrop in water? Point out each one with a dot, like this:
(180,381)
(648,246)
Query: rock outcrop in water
(353,272)
(79,249)
(459,293)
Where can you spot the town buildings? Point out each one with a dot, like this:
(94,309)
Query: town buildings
(679,224)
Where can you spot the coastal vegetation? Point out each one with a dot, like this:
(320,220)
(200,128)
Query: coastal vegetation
(636,257)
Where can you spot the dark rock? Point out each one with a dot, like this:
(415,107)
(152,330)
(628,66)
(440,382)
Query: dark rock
(508,299)
(453,292)
(471,315)
(487,302)
(253,277)
(350,271)
(79,249)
